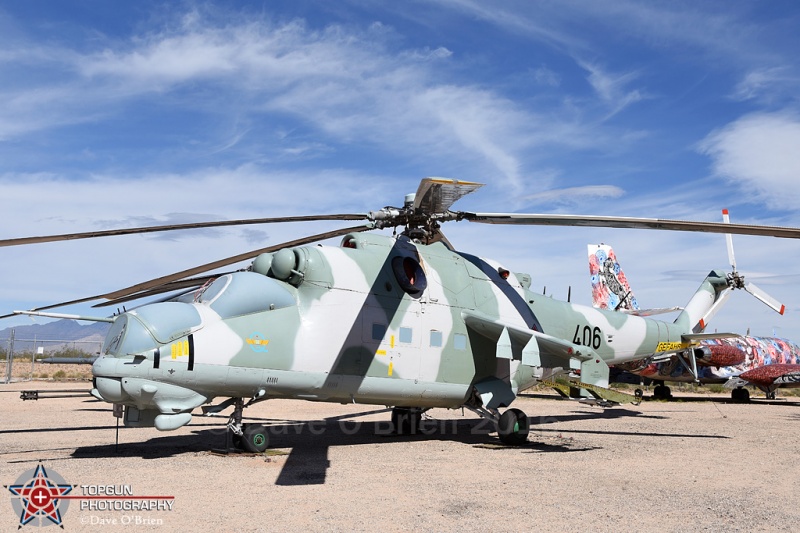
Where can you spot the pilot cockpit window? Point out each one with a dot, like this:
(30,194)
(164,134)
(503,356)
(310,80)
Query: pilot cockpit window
(243,293)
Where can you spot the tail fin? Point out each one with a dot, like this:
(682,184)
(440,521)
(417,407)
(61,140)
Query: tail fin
(610,287)
(704,303)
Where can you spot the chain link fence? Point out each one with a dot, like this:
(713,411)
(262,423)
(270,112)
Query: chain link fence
(22,358)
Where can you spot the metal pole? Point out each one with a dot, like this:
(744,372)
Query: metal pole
(10,356)
(33,357)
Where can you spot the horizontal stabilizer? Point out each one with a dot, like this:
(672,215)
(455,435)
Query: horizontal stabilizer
(573,388)
(650,312)
(695,337)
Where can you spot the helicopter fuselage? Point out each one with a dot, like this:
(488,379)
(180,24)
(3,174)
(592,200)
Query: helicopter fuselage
(379,320)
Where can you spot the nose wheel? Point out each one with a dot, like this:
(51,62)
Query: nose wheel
(252,438)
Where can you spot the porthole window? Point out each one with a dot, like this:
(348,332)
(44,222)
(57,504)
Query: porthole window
(409,275)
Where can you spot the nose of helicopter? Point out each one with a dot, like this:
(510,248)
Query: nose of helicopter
(140,333)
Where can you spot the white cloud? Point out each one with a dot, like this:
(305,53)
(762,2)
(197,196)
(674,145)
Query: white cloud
(350,85)
(765,81)
(760,154)
(612,88)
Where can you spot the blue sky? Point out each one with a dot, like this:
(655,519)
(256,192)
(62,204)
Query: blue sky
(136,113)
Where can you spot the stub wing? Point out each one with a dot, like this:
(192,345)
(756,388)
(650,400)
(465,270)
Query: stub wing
(539,350)
(531,347)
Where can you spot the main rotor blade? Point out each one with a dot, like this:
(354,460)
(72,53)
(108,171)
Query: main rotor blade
(54,306)
(163,280)
(535,219)
(173,227)
(436,195)
(187,285)
(176,281)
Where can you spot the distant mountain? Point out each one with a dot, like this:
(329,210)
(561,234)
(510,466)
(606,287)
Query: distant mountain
(66,330)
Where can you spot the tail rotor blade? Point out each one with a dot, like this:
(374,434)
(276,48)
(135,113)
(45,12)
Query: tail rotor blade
(729,239)
(764,297)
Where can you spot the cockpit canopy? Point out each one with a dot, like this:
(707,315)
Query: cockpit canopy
(244,293)
(231,295)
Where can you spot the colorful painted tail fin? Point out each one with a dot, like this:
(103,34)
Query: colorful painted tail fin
(610,287)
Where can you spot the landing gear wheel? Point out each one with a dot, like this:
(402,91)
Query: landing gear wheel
(740,395)
(513,427)
(406,420)
(255,438)
(771,395)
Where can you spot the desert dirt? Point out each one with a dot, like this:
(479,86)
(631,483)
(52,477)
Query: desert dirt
(698,464)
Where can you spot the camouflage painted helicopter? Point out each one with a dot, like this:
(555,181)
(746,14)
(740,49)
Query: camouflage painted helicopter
(403,320)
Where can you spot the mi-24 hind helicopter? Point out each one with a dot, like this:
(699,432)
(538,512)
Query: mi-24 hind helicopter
(405,321)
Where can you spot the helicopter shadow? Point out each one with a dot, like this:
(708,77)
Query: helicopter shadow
(605,414)
(308,461)
(309,442)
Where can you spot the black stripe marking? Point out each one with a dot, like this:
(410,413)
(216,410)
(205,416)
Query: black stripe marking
(513,296)
(191,353)
(157,358)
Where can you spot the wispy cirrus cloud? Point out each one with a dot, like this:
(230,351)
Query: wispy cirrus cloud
(352,85)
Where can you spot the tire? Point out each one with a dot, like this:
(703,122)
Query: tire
(513,427)
(255,438)
(740,395)
(662,392)
(406,420)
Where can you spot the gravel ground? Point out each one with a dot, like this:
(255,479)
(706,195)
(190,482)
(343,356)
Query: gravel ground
(699,464)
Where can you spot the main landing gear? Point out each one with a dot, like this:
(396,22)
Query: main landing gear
(662,392)
(513,425)
(740,395)
(407,420)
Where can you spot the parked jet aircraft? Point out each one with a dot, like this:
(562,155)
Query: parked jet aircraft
(765,362)
(403,320)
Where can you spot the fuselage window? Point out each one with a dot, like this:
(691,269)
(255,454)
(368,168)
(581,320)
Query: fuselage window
(378,332)
(459,341)
(436,338)
(405,335)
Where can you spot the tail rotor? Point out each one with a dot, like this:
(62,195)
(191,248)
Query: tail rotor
(737,281)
